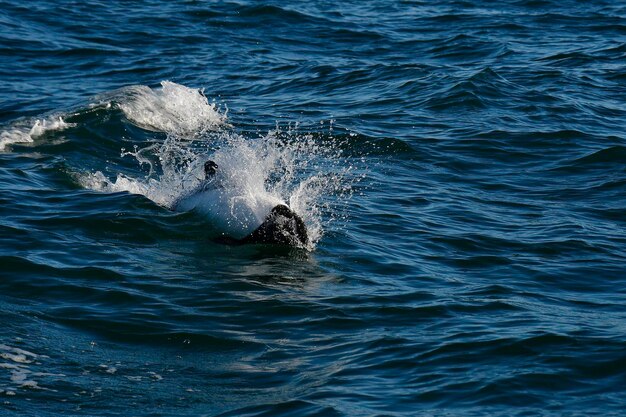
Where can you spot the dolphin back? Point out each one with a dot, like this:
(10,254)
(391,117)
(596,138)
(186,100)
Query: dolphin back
(282,226)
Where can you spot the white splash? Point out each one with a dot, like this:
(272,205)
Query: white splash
(239,198)
(27,132)
(173,109)
(254,174)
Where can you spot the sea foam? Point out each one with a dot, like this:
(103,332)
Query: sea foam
(173,109)
(28,131)
(19,363)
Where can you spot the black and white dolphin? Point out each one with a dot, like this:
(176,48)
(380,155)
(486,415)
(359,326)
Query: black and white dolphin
(280,226)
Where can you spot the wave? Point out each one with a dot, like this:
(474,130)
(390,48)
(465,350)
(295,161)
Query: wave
(479,90)
(173,109)
(614,154)
(28,131)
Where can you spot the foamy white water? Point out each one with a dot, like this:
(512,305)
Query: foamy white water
(173,109)
(28,131)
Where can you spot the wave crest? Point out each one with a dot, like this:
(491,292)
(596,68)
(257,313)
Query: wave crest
(173,109)
(28,131)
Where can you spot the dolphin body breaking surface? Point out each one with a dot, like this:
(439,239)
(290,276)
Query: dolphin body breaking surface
(279,226)
(282,226)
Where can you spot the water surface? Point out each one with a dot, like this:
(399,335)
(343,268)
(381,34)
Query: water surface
(461,167)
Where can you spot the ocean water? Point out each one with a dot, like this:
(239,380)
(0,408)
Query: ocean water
(460,166)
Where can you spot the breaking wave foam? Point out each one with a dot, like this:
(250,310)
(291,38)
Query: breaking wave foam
(27,132)
(173,109)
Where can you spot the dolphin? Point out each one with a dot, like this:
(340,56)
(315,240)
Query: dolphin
(281,226)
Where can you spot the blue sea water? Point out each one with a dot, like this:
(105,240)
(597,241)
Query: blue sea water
(460,165)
